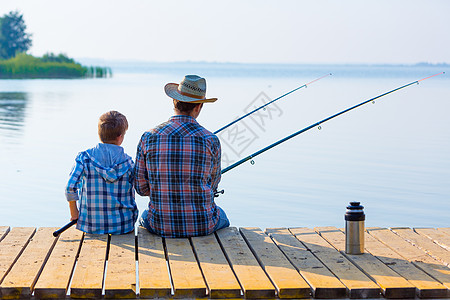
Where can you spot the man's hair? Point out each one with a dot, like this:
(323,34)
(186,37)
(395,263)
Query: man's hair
(185,107)
(111,125)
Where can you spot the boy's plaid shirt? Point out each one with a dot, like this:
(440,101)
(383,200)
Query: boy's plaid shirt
(106,202)
(178,167)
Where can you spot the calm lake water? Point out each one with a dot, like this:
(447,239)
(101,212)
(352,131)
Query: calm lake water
(392,156)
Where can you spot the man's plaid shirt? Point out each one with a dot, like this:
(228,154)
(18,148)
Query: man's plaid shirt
(178,167)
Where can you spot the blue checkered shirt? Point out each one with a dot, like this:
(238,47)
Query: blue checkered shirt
(105,193)
(178,167)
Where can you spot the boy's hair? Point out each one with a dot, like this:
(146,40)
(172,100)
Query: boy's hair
(185,107)
(111,125)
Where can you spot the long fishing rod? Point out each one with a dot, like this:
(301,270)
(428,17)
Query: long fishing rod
(262,106)
(319,123)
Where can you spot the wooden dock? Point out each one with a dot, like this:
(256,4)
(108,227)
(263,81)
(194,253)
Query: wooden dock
(279,263)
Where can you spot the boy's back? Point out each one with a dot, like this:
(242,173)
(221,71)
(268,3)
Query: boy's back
(107,202)
(102,182)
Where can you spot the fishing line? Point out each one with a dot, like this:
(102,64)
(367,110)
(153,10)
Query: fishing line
(318,124)
(263,106)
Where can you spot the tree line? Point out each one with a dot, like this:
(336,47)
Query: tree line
(15,63)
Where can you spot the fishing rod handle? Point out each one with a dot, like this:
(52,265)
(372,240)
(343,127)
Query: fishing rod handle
(64,228)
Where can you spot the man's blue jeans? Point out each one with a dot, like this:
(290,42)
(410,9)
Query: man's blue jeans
(223,220)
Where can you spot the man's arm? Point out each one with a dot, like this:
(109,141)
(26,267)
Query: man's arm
(140,171)
(216,171)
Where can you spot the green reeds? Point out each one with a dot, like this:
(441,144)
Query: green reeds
(24,66)
(98,72)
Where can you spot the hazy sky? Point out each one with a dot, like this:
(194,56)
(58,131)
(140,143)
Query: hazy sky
(294,31)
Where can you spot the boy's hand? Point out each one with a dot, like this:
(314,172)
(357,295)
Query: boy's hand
(73,210)
(74,216)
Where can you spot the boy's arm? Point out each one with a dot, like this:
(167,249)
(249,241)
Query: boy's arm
(73,210)
(74,180)
(140,171)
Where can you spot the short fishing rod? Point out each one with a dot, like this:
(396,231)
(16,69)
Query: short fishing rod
(262,106)
(321,122)
(64,228)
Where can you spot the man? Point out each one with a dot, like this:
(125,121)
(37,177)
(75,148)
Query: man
(178,167)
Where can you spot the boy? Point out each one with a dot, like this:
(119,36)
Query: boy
(105,176)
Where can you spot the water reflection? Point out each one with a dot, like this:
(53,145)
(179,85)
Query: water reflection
(12,110)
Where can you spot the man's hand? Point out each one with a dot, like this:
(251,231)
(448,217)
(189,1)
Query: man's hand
(217,193)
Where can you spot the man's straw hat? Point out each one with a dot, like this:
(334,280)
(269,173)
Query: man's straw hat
(191,89)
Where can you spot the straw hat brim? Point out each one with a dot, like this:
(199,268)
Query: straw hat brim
(171,90)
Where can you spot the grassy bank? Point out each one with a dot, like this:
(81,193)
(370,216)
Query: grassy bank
(25,66)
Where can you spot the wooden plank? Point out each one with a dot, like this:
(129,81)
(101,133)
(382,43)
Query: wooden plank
(323,283)
(391,283)
(333,236)
(12,246)
(120,279)
(55,277)
(438,237)
(436,251)
(87,281)
(357,283)
(20,281)
(399,245)
(413,254)
(186,275)
(3,231)
(219,277)
(445,230)
(287,281)
(154,280)
(253,279)
(426,286)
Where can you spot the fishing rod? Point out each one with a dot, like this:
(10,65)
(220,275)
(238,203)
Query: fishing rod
(318,124)
(64,228)
(262,106)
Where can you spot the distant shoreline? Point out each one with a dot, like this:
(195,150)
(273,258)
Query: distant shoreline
(220,69)
(100,61)
(31,70)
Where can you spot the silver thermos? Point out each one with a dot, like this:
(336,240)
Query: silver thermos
(354,228)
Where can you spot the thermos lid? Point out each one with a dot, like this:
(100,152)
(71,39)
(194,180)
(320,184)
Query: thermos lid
(355,212)
(355,205)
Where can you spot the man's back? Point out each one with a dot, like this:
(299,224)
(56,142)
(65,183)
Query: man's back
(178,166)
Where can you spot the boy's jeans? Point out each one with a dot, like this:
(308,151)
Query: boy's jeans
(223,220)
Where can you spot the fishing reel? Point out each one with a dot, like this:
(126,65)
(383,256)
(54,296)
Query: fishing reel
(217,193)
